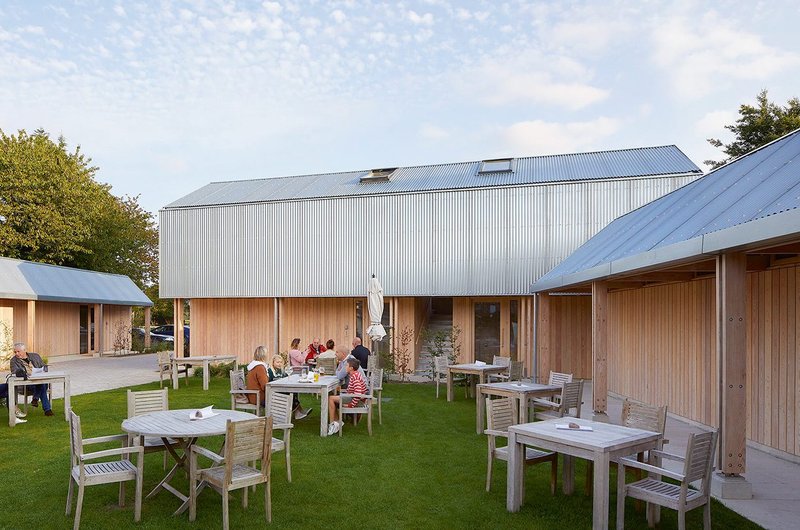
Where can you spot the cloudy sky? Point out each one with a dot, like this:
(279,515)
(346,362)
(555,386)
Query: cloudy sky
(166,96)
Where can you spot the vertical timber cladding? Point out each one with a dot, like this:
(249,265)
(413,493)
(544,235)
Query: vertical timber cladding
(116,326)
(564,335)
(326,318)
(232,326)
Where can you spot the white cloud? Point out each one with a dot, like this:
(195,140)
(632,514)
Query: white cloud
(432,132)
(713,123)
(119,10)
(425,20)
(539,137)
(272,8)
(702,52)
(338,16)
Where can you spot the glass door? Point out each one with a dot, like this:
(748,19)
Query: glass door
(487,330)
(84,329)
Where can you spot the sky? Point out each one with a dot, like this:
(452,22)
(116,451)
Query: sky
(167,96)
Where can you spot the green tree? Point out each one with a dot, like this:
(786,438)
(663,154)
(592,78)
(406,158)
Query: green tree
(52,210)
(758,125)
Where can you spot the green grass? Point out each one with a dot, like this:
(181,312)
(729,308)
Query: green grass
(423,468)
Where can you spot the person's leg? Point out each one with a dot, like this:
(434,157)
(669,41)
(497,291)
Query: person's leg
(41,393)
(333,401)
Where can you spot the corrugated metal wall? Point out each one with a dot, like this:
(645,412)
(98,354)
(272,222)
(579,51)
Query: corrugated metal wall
(478,242)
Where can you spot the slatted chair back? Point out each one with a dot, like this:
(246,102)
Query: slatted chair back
(375,382)
(75,438)
(700,459)
(280,407)
(440,364)
(499,360)
(329,364)
(499,414)
(571,398)
(147,401)
(558,379)
(247,441)
(372,362)
(643,416)
(163,358)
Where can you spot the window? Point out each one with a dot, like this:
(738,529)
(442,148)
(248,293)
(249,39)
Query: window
(497,165)
(378,175)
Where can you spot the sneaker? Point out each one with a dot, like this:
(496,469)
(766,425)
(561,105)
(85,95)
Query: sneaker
(35,402)
(48,413)
(300,414)
(19,414)
(333,428)
(18,420)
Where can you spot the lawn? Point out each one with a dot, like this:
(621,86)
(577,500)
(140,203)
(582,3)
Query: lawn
(423,468)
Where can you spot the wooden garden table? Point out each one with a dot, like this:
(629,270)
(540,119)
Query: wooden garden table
(205,359)
(520,391)
(43,378)
(176,425)
(323,388)
(604,442)
(481,370)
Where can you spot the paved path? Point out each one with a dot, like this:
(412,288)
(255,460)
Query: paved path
(93,374)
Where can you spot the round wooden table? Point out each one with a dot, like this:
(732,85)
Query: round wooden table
(176,426)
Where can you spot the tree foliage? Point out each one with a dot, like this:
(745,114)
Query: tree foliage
(52,210)
(758,125)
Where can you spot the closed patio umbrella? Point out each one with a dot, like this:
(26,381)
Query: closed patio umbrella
(375,303)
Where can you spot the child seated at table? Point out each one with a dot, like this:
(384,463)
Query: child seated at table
(355,385)
(259,375)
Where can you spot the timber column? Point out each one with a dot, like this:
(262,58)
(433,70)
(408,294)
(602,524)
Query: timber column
(544,341)
(30,337)
(600,351)
(146,327)
(732,354)
(177,318)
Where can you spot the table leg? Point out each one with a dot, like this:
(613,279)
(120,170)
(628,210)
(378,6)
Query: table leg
(180,463)
(205,374)
(323,413)
(515,477)
(12,403)
(67,402)
(522,406)
(449,385)
(600,500)
(478,403)
(174,364)
(568,477)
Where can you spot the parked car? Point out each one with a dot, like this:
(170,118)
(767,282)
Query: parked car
(155,338)
(169,330)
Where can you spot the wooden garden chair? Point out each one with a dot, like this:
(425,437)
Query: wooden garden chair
(85,474)
(500,415)
(165,367)
(376,381)
(239,394)
(143,403)
(329,364)
(280,410)
(698,463)
(364,407)
(246,442)
(515,372)
(571,398)
(440,364)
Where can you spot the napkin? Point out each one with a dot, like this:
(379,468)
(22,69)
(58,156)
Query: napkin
(480,363)
(38,370)
(566,427)
(204,413)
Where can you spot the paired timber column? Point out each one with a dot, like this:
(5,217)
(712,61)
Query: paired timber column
(600,351)
(177,319)
(732,355)
(544,339)
(30,337)
(276,326)
(146,327)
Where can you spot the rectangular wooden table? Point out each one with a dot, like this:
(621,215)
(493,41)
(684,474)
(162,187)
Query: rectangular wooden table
(37,379)
(293,384)
(481,370)
(603,443)
(205,359)
(520,391)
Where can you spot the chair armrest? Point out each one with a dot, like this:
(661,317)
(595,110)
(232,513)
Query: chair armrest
(211,455)
(668,456)
(362,396)
(546,403)
(493,432)
(101,439)
(629,462)
(244,391)
(283,425)
(113,452)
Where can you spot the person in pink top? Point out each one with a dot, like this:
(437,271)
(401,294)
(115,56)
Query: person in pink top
(355,385)
(296,357)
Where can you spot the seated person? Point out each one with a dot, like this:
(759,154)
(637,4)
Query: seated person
(275,371)
(356,385)
(341,366)
(258,375)
(18,413)
(22,365)
(313,351)
(296,356)
(329,351)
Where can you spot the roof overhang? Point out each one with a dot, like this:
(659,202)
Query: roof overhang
(776,228)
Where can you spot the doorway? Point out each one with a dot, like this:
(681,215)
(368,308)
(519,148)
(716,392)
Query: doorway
(496,329)
(86,341)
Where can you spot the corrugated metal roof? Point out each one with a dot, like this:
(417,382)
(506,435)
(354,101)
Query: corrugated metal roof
(27,280)
(645,161)
(763,183)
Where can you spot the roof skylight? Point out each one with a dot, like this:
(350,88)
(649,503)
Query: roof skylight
(378,175)
(497,165)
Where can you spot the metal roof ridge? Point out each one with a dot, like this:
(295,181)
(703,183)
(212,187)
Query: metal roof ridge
(64,267)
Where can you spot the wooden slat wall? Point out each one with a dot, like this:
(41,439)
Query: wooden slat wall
(57,329)
(406,315)
(19,323)
(662,344)
(228,326)
(464,318)
(774,368)
(115,317)
(571,337)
